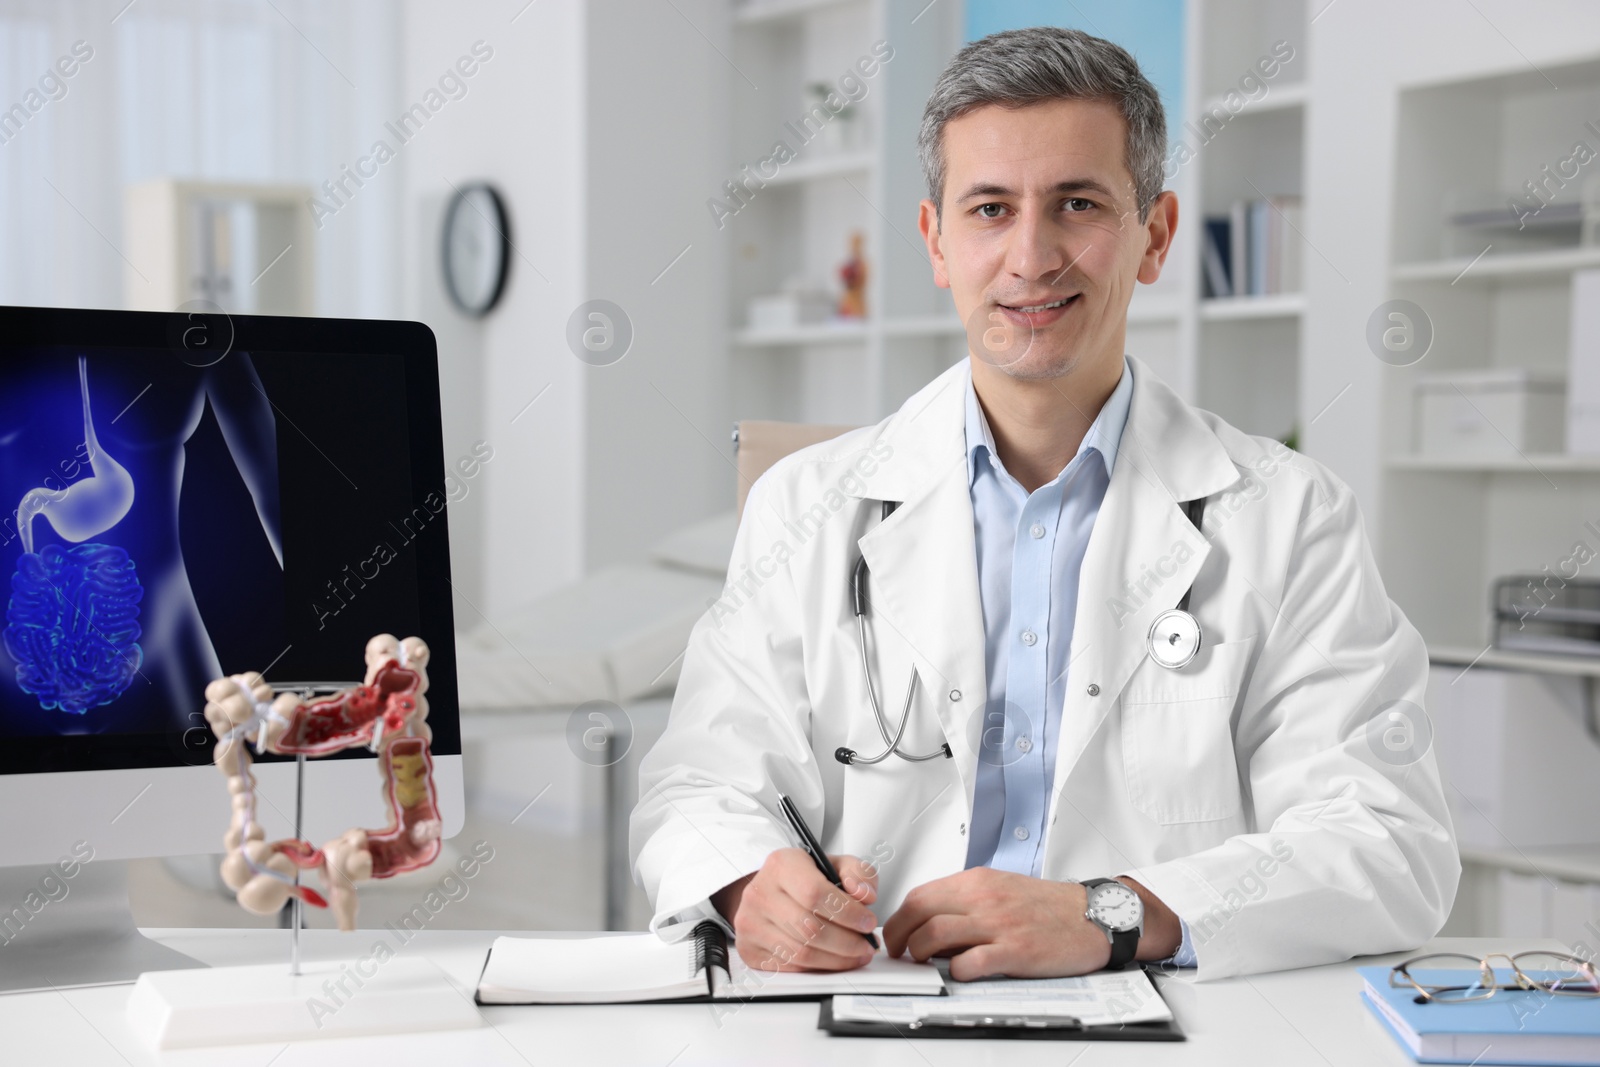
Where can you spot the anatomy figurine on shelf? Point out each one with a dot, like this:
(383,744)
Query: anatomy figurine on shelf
(388,714)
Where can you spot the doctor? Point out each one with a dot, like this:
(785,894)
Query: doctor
(1267,800)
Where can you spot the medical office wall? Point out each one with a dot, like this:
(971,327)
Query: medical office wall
(601,123)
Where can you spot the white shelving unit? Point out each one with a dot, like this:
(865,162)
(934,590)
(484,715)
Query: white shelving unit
(1453,525)
(798,225)
(1553,265)
(1535,464)
(1240,356)
(225,246)
(1509,660)
(1237,308)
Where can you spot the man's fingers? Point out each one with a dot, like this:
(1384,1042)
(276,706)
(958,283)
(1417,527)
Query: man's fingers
(860,878)
(772,950)
(785,955)
(841,942)
(938,897)
(944,935)
(790,917)
(815,894)
(807,928)
(791,935)
(980,961)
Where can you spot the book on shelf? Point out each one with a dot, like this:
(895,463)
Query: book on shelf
(1218,259)
(1254,250)
(1239,237)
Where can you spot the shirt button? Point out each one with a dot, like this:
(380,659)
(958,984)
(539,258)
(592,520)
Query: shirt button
(1020,833)
(1024,744)
(1029,637)
(1037,530)
(1094,690)
(955,694)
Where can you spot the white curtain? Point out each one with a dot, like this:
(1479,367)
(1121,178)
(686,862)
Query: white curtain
(236,90)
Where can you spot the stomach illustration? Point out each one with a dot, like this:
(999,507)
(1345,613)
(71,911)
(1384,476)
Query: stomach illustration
(72,623)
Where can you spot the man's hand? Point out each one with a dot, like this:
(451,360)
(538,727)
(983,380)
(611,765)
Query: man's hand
(788,917)
(993,922)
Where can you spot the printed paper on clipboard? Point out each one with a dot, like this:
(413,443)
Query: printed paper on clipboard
(1107,998)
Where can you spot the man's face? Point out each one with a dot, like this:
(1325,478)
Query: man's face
(1039,208)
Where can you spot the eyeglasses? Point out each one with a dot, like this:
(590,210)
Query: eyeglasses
(1542,972)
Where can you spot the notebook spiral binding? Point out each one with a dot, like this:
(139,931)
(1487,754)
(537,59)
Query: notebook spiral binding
(710,947)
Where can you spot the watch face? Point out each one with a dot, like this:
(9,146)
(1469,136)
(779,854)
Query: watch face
(1115,906)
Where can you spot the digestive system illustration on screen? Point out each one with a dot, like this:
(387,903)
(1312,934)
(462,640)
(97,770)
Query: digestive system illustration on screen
(388,715)
(72,623)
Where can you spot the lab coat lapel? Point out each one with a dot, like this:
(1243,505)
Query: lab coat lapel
(923,584)
(1143,553)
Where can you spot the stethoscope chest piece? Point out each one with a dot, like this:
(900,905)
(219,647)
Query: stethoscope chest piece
(1174,639)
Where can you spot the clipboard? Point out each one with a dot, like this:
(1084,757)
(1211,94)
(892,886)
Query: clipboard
(1058,1029)
(1163,1031)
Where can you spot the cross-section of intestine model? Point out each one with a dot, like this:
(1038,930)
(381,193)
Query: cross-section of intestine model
(388,714)
(72,624)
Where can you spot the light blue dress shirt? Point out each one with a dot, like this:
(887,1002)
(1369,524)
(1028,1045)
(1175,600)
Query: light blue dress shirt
(1030,549)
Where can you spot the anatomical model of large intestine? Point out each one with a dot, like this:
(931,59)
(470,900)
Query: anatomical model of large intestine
(388,714)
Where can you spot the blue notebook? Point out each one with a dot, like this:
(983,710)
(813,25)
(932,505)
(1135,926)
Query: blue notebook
(1512,1026)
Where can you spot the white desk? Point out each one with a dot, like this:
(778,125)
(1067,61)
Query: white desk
(1313,1016)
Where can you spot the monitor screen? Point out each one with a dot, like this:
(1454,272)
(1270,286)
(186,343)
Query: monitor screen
(171,513)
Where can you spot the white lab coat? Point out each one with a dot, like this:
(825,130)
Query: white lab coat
(1257,792)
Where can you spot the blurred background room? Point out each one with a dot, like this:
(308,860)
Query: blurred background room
(635,225)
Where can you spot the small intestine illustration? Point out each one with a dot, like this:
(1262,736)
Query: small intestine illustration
(72,623)
(388,715)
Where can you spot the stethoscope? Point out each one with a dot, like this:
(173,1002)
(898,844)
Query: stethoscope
(848,756)
(1174,641)
(1175,635)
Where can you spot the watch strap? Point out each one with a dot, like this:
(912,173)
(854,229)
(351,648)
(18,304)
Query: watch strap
(1124,943)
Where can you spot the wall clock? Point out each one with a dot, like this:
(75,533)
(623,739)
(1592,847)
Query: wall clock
(476,251)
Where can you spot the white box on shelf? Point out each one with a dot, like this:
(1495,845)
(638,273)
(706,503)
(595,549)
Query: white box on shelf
(1490,414)
(1518,764)
(1583,365)
(785,311)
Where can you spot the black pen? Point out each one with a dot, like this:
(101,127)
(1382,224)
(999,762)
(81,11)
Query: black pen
(808,841)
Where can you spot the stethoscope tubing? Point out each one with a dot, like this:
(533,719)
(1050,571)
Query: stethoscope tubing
(848,756)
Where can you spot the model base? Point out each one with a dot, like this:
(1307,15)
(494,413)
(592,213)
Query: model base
(242,1005)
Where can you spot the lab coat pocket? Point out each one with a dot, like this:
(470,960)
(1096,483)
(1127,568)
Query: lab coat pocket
(1177,736)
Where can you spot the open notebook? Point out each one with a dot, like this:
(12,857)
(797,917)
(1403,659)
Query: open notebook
(642,967)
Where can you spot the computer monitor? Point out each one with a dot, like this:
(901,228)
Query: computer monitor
(185,496)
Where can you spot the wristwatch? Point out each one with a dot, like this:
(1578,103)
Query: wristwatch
(1117,910)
